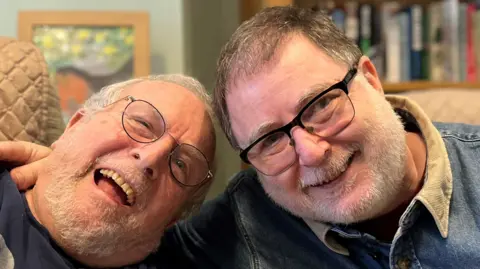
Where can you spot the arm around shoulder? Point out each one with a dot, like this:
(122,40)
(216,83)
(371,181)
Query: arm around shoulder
(209,239)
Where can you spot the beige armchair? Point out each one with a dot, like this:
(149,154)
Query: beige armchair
(29,104)
(449,105)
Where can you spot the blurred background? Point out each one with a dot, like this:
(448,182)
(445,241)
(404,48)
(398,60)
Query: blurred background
(421,48)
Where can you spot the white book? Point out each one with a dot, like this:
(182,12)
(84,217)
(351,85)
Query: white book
(403,21)
(452,43)
(391,34)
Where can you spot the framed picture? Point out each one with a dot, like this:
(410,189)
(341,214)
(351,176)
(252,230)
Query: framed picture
(86,51)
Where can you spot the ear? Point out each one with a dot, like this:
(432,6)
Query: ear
(75,118)
(366,67)
(71,124)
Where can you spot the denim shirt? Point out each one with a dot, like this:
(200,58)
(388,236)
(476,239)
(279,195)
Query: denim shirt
(244,228)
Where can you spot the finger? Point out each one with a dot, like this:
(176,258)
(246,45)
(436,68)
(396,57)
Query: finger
(26,176)
(22,152)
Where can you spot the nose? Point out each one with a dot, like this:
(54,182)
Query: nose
(152,158)
(311,149)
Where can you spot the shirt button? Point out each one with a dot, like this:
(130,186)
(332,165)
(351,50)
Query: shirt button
(374,255)
(403,263)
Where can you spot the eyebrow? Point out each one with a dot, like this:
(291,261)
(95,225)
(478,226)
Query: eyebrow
(261,130)
(311,93)
(304,99)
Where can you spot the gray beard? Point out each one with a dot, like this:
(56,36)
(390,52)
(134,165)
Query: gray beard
(78,233)
(386,171)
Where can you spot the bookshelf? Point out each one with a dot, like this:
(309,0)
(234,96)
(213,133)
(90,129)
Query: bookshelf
(250,7)
(451,36)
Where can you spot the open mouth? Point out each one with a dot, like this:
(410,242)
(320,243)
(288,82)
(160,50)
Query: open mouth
(349,162)
(114,186)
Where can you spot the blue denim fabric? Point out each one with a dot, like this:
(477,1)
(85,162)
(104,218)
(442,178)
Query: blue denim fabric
(364,250)
(243,228)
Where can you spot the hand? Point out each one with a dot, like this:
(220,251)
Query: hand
(29,155)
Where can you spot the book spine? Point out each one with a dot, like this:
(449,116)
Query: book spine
(436,48)
(471,53)
(403,18)
(338,17)
(351,21)
(426,49)
(462,41)
(377,51)
(416,42)
(365,28)
(450,32)
(392,35)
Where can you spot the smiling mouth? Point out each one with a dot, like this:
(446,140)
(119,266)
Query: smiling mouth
(114,186)
(333,179)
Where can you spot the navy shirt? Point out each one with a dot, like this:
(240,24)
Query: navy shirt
(25,243)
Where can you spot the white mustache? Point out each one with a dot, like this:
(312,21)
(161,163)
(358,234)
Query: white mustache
(135,178)
(335,166)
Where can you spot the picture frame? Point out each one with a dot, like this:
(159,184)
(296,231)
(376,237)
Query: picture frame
(87,50)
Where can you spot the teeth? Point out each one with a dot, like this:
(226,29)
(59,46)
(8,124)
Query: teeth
(125,187)
(120,182)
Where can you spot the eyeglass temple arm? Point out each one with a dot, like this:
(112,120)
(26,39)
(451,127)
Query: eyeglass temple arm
(126,98)
(350,75)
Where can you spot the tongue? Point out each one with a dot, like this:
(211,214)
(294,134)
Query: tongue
(113,190)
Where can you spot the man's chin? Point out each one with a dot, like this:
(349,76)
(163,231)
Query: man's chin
(349,207)
(360,205)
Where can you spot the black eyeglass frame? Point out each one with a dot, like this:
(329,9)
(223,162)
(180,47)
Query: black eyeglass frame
(131,100)
(342,85)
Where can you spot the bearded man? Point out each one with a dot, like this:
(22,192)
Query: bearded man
(133,161)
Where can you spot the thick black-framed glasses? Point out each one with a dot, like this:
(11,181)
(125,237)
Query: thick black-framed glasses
(325,115)
(143,123)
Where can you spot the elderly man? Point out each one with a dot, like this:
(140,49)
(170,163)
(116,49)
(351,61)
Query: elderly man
(343,177)
(134,160)
(340,174)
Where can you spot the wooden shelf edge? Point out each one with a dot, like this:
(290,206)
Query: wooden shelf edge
(424,85)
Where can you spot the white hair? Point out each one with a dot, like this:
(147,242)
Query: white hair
(111,93)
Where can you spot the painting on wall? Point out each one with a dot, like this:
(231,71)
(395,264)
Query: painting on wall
(86,51)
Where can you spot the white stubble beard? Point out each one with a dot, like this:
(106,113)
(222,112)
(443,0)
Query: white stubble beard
(384,152)
(79,233)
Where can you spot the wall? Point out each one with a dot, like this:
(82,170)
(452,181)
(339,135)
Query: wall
(166,21)
(208,25)
(186,37)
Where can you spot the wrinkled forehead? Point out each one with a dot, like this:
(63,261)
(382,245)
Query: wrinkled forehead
(184,113)
(165,96)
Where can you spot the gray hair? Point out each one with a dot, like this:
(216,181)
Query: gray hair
(255,42)
(111,93)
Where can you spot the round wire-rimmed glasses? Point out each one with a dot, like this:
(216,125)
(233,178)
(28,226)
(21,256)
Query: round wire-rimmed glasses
(325,115)
(143,123)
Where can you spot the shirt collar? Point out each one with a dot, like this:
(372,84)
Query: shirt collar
(436,192)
